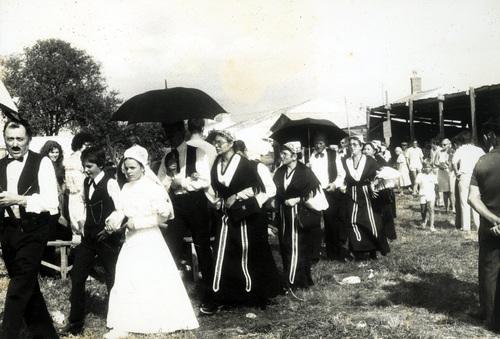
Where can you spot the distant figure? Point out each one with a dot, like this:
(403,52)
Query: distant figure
(442,160)
(415,157)
(74,177)
(402,167)
(425,189)
(464,160)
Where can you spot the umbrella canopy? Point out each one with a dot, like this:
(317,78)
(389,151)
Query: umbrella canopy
(168,106)
(303,130)
(7,105)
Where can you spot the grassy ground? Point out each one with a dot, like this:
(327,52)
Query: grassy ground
(425,288)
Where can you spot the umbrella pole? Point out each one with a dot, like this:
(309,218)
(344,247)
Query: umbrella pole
(308,144)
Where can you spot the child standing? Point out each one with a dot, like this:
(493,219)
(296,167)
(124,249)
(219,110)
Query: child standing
(425,188)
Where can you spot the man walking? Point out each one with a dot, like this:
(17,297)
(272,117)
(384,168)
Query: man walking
(326,165)
(484,198)
(28,197)
(187,191)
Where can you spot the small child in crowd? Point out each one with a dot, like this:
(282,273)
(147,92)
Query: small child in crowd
(425,188)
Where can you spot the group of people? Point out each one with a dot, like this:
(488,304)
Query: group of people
(441,178)
(135,225)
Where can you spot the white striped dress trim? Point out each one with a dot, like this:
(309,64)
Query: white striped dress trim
(220,254)
(355,214)
(244,256)
(370,211)
(295,246)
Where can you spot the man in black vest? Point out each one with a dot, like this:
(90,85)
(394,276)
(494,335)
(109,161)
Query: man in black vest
(100,194)
(187,191)
(28,197)
(326,165)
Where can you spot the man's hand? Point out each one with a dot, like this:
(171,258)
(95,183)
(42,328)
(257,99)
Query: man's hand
(331,187)
(9,199)
(230,201)
(495,230)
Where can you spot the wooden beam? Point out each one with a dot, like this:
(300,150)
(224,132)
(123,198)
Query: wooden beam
(472,96)
(441,119)
(412,127)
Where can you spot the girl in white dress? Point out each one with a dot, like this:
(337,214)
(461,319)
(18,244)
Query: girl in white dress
(148,295)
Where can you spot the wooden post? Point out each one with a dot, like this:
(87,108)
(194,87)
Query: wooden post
(388,115)
(472,95)
(441,119)
(410,110)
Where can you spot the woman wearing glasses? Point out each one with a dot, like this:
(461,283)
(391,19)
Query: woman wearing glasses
(366,235)
(244,270)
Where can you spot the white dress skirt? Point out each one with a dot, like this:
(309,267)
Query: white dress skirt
(148,295)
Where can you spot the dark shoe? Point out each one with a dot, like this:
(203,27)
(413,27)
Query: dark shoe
(71,328)
(208,309)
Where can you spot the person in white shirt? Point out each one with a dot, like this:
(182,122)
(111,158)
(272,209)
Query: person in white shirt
(28,197)
(414,156)
(464,160)
(74,177)
(188,190)
(425,188)
(327,166)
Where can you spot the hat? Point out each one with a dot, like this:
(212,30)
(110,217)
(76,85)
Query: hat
(293,146)
(138,153)
(224,133)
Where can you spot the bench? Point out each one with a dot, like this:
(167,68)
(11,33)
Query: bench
(63,246)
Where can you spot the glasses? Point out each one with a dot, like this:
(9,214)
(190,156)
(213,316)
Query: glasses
(219,143)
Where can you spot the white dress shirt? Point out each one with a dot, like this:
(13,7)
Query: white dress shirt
(319,166)
(465,159)
(112,187)
(47,199)
(188,184)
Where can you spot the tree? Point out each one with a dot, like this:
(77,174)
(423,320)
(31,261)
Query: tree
(59,86)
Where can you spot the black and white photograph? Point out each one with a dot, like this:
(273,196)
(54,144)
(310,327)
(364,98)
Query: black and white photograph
(260,169)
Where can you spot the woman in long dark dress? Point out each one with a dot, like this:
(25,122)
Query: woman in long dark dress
(297,187)
(385,201)
(245,271)
(366,234)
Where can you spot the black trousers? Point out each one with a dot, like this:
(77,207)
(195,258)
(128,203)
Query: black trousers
(192,215)
(335,225)
(85,258)
(22,253)
(489,278)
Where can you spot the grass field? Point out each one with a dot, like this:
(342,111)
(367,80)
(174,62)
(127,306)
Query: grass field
(425,288)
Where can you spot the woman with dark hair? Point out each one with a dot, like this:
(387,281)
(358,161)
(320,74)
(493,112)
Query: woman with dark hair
(57,229)
(300,200)
(53,150)
(366,235)
(385,202)
(245,271)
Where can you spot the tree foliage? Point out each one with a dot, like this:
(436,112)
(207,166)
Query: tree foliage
(58,86)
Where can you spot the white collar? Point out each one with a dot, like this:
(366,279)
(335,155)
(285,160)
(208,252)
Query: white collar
(356,172)
(226,177)
(98,177)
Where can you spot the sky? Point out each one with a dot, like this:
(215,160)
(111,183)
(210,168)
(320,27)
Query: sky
(261,55)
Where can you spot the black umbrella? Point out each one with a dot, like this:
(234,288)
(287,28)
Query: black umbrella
(303,130)
(168,106)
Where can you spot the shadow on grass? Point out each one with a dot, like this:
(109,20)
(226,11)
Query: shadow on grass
(436,292)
